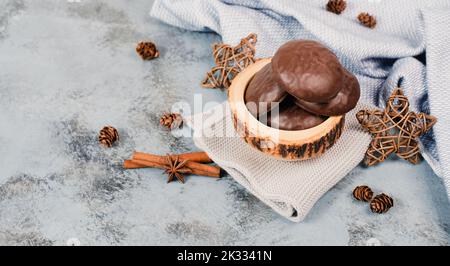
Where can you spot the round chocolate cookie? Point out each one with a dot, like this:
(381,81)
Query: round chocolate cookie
(307,70)
(263,93)
(292,117)
(344,101)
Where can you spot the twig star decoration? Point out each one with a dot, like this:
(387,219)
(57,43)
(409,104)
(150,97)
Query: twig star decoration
(394,130)
(176,169)
(229,62)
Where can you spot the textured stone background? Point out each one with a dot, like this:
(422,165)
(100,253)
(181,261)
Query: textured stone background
(67,68)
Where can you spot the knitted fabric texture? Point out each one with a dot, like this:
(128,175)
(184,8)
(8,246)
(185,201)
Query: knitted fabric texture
(291,188)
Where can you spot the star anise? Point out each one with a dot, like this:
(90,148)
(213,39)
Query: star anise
(176,168)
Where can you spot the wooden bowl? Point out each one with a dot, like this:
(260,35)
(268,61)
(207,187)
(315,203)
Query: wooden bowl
(282,144)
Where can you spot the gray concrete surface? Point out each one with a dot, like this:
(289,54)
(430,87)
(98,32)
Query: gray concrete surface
(67,68)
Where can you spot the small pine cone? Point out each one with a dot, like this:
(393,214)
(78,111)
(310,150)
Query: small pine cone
(171,120)
(108,135)
(147,50)
(367,20)
(336,6)
(363,193)
(381,203)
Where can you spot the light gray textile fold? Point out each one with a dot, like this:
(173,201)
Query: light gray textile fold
(290,188)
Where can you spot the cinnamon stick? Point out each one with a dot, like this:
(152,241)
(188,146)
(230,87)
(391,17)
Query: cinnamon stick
(160,162)
(130,164)
(199,157)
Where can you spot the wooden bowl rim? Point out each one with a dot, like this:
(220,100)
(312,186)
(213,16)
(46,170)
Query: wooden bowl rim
(236,100)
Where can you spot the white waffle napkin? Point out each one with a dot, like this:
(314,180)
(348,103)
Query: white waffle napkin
(291,188)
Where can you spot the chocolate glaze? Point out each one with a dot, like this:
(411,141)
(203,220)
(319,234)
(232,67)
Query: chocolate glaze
(308,70)
(310,83)
(344,101)
(263,91)
(292,117)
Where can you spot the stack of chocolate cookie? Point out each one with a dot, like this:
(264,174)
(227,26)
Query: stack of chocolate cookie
(302,86)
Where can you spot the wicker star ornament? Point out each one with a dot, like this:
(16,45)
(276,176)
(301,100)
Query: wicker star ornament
(230,61)
(394,130)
